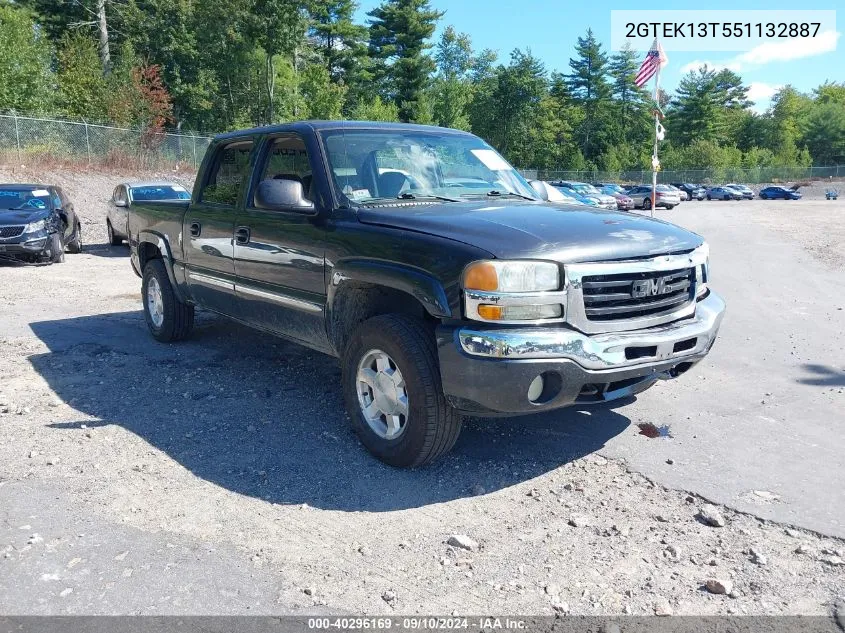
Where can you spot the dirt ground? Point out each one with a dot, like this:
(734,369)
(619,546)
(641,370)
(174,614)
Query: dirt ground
(220,475)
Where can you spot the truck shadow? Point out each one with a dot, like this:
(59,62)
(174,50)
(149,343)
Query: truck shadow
(265,418)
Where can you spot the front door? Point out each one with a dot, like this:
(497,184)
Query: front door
(209,229)
(279,255)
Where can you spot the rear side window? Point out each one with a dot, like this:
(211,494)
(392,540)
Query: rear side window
(229,172)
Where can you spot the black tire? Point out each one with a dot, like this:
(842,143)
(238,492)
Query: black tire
(670,207)
(432,426)
(114,240)
(54,252)
(708,197)
(177,317)
(75,244)
(763,196)
(646,203)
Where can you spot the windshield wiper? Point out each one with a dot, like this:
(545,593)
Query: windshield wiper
(495,193)
(411,196)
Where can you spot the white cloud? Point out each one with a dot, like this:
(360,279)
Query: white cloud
(717,66)
(780,51)
(761,94)
(793,48)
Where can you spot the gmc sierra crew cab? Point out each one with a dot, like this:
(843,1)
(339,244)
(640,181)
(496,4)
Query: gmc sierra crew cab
(442,280)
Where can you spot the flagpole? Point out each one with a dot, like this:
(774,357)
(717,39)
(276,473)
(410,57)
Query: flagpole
(654,162)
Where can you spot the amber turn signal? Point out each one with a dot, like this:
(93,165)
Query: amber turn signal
(491,313)
(481,276)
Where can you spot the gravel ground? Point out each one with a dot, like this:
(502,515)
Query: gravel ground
(220,476)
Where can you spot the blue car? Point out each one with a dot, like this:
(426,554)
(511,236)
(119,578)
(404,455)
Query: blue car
(779,193)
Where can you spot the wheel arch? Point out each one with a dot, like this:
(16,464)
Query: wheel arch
(152,245)
(361,289)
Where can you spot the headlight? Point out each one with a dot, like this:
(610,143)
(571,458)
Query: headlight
(513,291)
(514,276)
(702,270)
(32,227)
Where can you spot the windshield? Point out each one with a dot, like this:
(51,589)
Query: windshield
(160,192)
(24,198)
(371,165)
(584,189)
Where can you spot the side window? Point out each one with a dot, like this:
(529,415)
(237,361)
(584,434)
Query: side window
(287,159)
(228,173)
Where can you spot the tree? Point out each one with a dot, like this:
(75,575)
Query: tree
(375,110)
(82,88)
(399,32)
(25,79)
(323,99)
(452,90)
(589,88)
(631,104)
(341,42)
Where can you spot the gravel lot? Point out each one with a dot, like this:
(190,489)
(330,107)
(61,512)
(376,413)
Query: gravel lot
(220,476)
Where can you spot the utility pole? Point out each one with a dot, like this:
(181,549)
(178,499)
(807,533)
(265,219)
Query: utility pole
(105,56)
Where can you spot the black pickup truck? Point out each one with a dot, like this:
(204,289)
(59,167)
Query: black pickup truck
(442,280)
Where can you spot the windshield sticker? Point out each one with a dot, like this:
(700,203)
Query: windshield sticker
(40,193)
(491,159)
(358,194)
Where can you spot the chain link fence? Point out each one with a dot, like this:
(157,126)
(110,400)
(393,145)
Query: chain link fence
(29,140)
(758,175)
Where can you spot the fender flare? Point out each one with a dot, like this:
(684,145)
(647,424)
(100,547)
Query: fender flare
(416,282)
(160,241)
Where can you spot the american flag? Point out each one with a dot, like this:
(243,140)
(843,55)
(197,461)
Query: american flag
(655,58)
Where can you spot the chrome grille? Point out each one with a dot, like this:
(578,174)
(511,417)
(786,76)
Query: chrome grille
(632,295)
(10,231)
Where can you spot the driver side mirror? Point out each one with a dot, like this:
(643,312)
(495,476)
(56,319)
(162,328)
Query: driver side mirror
(283,195)
(540,188)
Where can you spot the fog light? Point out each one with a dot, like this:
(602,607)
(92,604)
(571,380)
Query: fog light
(535,389)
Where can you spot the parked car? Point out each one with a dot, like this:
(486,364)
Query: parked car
(587,190)
(745,190)
(609,186)
(549,192)
(623,202)
(37,223)
(588,201)
(416,283)
(665,197)
(683,195)
(693,191)
(723,193)
(779,193)
(127,193)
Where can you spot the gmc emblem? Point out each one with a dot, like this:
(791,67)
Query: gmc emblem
(650,287)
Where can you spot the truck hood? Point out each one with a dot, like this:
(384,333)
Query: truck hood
(557,231)
(22,216)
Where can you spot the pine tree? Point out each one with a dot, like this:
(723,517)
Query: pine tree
(82,87)
(590,89)
(341,41)
(399,33)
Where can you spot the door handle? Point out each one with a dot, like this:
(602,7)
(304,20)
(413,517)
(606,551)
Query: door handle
(242,235)
(196,227)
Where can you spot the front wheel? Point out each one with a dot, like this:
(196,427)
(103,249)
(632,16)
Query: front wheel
(54,251)
(168,318)
(114,240)
(646,203)
(393,393)
(763,196)
(75,243)
(708,197)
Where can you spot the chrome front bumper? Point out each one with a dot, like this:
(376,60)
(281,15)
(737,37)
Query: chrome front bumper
(689,337)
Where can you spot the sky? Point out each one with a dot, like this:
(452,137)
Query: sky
(550,28)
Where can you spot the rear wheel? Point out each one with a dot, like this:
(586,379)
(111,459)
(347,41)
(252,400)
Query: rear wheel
(168,318)
(393,393)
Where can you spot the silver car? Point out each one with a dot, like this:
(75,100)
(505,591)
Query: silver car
(123,196)
(641,195)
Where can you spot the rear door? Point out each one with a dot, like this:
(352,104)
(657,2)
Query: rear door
(209,227)
(279,255)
